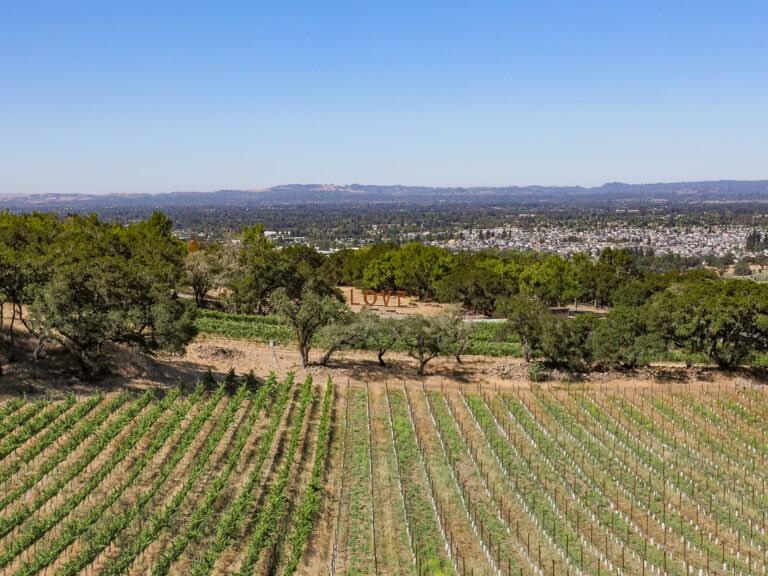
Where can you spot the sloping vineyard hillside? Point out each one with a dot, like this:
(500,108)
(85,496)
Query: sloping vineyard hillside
(296,477)
(207,483)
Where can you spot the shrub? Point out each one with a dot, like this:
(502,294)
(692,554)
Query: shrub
(537,372)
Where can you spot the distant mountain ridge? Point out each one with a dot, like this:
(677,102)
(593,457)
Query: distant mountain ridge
(613,193)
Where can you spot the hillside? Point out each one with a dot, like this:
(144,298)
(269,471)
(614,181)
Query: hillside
(365,475)
(292,194)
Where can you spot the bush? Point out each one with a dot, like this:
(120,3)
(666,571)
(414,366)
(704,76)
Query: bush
(251,383)
(537,372)
(230,382)
(208,381)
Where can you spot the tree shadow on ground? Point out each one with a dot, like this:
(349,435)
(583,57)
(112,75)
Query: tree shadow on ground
(398,370)
(56,373)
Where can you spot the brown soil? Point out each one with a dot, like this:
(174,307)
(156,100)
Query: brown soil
(319,549)
(235,485)
(446,494)
(272,560)
(215,463)
(231,558)
(132,493)
(392,546)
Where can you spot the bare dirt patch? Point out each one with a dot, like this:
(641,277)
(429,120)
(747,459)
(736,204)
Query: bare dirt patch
(217,353)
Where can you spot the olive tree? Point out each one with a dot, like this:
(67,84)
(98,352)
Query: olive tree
(375,333)
(423,338)
(307,315)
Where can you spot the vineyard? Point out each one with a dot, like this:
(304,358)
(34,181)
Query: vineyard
(484,337)
(535,481)
(387,478)
(205,483)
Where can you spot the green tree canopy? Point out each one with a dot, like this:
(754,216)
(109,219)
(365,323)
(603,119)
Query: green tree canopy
(550,281)
(374,333)
(24,266)
(455,334)
(258,270)
(113,283)
(726,320)
(478,282)
(205,271)
(525,316)
(625,338)
(419,267)
(423,337)
(567,342)
(308,315)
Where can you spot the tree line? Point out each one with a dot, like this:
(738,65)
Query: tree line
(646,313)
(254,267)
(694,315)
(82,282)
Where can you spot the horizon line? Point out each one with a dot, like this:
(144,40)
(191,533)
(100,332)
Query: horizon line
(353,184)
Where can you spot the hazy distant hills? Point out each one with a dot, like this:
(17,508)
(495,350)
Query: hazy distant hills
(303,194)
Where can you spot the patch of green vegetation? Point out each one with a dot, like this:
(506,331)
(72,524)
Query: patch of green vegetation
(252,327)
(484,338)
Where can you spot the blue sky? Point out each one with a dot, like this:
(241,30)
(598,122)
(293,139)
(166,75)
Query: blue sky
(158,96)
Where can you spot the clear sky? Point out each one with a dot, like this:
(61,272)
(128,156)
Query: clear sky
(161,95)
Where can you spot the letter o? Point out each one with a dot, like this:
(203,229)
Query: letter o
(369,293)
